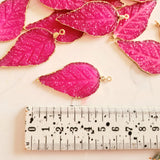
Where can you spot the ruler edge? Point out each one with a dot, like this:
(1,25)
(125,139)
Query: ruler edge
(140,109)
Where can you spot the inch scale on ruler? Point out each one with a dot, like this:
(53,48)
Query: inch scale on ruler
(91,128)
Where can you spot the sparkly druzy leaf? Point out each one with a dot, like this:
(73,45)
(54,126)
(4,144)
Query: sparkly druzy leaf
(116,3)
(12,17)
(146,54)
(135,25)
(52,25)
(76,79)
(64,4)
(94,18)
(31,48)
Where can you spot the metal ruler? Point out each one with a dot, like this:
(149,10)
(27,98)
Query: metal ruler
(91,128)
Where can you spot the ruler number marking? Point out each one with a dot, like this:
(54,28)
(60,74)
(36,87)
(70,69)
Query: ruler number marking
(32,129)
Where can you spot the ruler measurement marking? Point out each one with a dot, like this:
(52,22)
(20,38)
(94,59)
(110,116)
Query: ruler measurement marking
(38,144)
(95,144)
(53,144)
(123,143)
(95,112)
(88,143)
(60,143)
(150,142)
(129,114)
(53,112)
(67,145)
(102,114)
(143,141)
(81,112)
(109,144)
(122,114)
(45,142)
(60,116)
(31,142)
(137,143)
(116,143)
(32,112)
(157,141)
(74,114)
(130,143)
(81,144)
(142,116)
(156,115)
(46,114)
(39,112)
(67,112)
(74,143)
(103,142)
(149,113)
(109,114)
(115,116)
(88,115)
(136,114)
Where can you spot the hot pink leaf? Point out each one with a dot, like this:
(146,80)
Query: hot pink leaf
(12,17)
(76,79)
(52,25)
(116,3)
(31,48)
(94,18)
(146,54)
(64,4)
(134,26)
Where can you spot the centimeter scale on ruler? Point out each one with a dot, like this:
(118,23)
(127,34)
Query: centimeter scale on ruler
(91,128)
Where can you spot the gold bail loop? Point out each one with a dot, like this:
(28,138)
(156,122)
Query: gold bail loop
(61,32)
(126,16)
(103,78)
(56,34)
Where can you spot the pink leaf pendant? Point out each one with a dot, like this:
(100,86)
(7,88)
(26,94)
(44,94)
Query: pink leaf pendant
(145,54)
(94,18)
(63,4)
(135,25)
(76,79)
(12,17)
(32,48)
(52,25)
